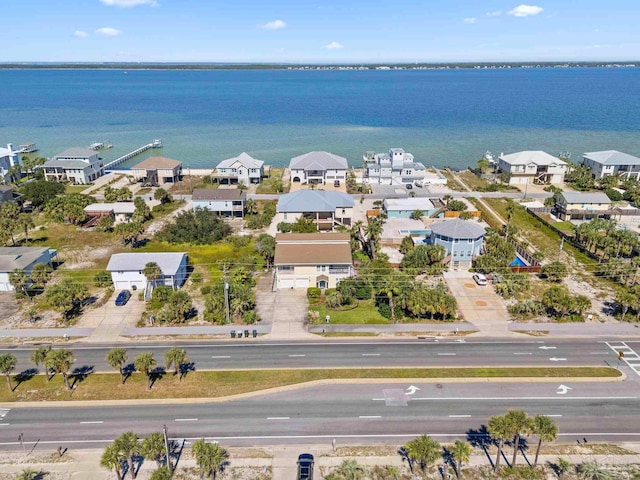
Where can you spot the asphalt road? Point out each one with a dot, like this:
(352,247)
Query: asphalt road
(327,354)
(380,413)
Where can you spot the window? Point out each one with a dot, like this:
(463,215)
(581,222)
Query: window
(285,268)
(343,211)
(321,268)
(456,240)
(285,216)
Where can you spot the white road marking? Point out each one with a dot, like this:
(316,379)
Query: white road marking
(599,353)
(553,415)
(459,416)
(493,399)
(370,416)
(186,420)
(4,412)
(370,354)
(221,356)
(277,418)
(631,357)
(523,353)
(442,354)
(4,424)
(94,421)
(297,355)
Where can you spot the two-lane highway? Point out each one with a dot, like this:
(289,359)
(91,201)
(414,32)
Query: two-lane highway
(249,354)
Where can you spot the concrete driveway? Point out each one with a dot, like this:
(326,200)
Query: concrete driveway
(480,305)
(286,310)
(108,320)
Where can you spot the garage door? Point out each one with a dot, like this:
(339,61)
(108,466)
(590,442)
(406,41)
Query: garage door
(122,285)
(302,283)
(286,283)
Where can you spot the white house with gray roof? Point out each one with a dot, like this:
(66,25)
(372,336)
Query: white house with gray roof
(462,239)
(582,205)
(612,162)
(22,258)
(241,169)
(327,209)
(532,166)
(8,158)
(318,168)
(76,165)
(126,269)
(394,168)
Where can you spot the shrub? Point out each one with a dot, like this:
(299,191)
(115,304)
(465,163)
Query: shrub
(196,277)
(161,293)
(314,293)
(199,227)
(284,227)
(250,317)
(614,195)
(102,279)
(205,289)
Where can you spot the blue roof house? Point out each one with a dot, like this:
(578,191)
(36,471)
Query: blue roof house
(462,239)
(327,209)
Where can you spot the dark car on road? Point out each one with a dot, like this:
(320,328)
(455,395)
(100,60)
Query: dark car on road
(122,298)
(305,467)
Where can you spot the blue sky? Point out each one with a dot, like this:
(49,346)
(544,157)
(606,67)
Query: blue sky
(336,31)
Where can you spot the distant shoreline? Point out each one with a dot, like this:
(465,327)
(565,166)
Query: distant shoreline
(339,67)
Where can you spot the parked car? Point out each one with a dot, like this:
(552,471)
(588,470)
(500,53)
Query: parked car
(305,467)
(122,298)
(409,186)
(480,279)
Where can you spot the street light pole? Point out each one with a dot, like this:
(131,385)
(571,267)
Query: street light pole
(166,446)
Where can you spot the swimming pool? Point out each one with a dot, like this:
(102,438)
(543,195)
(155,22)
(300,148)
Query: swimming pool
(416,232)
(518,262)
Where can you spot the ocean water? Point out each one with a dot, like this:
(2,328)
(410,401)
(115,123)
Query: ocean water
(444,117)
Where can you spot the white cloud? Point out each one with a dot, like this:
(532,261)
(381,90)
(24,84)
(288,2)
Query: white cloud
(80,34)
(497,13)
(274,25)
(469,20)
(108,32)
(525,10)
(334,46)
(129,3)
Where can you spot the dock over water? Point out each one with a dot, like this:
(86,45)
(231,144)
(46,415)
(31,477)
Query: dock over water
(157,143)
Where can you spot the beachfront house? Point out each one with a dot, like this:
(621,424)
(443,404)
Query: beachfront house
(532,167)
(612,162)
(76,165)
(328,210)
(127,269)
(241,169)
(404,207)
(158,171)
(8,158)
(22,258)
(582,205)
(394,168)
(462,240)
(226,202)
(120,211)
(318,168)
(304,260)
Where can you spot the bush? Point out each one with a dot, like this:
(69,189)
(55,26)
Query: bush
(102,279)
(205,289)
(284,227)
(199,227)
(314,293)
(161,293)
(614,195)
(196,277)
(250,317)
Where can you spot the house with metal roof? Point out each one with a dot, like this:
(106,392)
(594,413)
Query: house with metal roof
(582,205)
(304,260)
(462,239)
(226,202)
(120,211)
(22,258)
(404,207)
(532,167)
(327,209)
(241,169)
(394,168)
(318,168)
(158,171)
(612,162)
(126,269)
(77,165)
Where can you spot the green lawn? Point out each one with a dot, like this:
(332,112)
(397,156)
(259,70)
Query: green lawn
(480,184)
(210,384)
(267,185)
(365,313)
(69,189)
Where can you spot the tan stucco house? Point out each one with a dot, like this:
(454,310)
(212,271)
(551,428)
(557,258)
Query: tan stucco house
(158,171)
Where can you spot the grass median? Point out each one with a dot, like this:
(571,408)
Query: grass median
(213,384)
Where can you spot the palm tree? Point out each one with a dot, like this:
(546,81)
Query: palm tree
(509,210)
(210,457)
(373,231)
(39,356)
(112,459)
(391,286)
(500,431)
(60,361)
(461,452)
(593,471)
(7,366)
(162,473)
(176,357)
(128,447)
(423,450)
(546,430)
(152,272)
(41,273)
(447,198)
(350,470)
(19,279)
(520,425)
(145,363)
(153,448)
(251,206)
(29,474)
(116,358)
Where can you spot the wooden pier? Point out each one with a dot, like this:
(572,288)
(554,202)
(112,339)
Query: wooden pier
(128,156)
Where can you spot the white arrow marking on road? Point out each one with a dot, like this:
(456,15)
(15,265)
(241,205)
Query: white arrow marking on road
(547,348)
(563,389)
(554,359)
(411,389)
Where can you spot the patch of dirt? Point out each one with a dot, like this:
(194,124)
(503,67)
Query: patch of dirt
(85,257)
(11,458)
(481,303)
(469,285)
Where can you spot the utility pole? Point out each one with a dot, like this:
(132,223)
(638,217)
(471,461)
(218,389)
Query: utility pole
(226,293)
(166,446)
